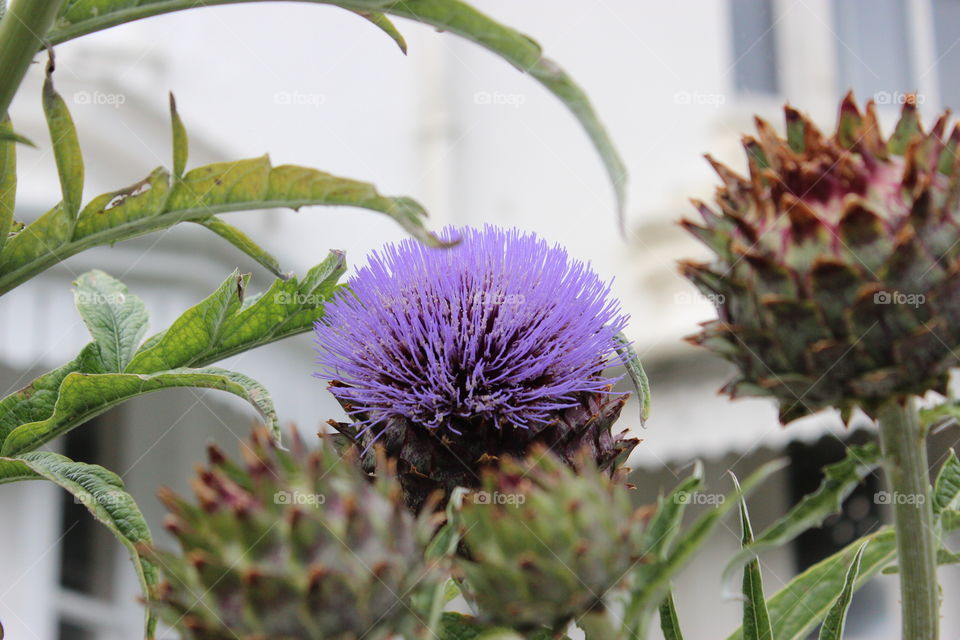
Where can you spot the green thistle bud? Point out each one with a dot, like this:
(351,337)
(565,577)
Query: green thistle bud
(290,545)
(547,543)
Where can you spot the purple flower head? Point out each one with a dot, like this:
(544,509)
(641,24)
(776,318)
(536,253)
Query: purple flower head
(500,330)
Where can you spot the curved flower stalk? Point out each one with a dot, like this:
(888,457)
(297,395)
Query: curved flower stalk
(296,544)
(837,272)
(453,358)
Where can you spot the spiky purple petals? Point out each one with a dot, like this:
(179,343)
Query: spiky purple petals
(502,330)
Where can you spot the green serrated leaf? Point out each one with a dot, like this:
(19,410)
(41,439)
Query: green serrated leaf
(181,144)
(944,556)
(87,16)
(949,410)
(191,335)
(12,136)
(665,523)
(154,203)
(836,619)
(45,236)
(756,619)
(950,520)
(103,494)
(443,545)
(8,181)
(669,620)
(799,607)
(384,24)
(82,396)
(245,243)
(129,206)
(222,183)
(651,580)
(631,362)
(839,480)
(946,490)
(35,402)
(116,319)
(288,308)
(66,147)
(456,626)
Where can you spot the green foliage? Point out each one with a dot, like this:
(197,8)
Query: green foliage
(81,17)
(663,528)
(66,146)
(669,620)
(116,367)
(799,607)
(8,181)
(756,618)
(839,480)
(102,493)
(116,320)
(119,364)
(832,628)
(631,362)
(950,520)
(650,581)
(946,489)
(160,201)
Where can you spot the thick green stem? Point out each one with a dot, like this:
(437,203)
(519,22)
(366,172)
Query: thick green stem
(905,453)
(22,32)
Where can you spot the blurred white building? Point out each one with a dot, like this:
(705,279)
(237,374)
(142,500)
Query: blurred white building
(476,141)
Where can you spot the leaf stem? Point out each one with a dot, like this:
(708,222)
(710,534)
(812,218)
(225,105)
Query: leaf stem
(905,453)
(22,33)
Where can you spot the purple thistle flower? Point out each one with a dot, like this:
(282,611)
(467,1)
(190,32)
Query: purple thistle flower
(502,330)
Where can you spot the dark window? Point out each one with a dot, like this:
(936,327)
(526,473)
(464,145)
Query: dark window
(946,35)
(70,631)
(754,47)
(873,49)
(88,551)
(860,515)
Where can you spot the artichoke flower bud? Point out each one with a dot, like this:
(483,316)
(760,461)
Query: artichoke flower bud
(290,545)
(453,358)
(836,267)
(547,542)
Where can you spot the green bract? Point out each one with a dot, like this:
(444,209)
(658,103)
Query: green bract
(291,545)
(545,543)
(837,263)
